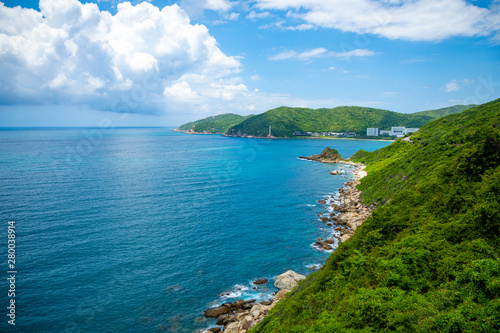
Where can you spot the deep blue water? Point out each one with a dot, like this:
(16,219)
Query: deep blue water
(139,230)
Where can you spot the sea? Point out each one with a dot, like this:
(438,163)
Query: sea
(141,229)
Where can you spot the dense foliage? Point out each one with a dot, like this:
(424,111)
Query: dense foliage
(285,120)
(427,260)
(214,124)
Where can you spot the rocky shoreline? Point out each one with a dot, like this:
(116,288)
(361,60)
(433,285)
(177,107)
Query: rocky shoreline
(347,213)
(241,315)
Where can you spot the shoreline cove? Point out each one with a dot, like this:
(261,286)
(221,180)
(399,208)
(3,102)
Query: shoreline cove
(345,213)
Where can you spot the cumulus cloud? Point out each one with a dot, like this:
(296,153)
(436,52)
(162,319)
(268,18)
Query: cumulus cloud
(142,59)
(417,20)
(320,52)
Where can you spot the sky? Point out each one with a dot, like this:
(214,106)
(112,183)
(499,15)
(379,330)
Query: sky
(164,62)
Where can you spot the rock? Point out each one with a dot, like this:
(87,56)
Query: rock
(232,328)
(222,319)
(255,311)
(312,268)
(238,304)
(217,311)
(327,247)
(247,306)
(266,302)
(329,224)
(260,281)
(330,241)
(215,329)
(322,201)
(288,280)
(246,323)
(281,294)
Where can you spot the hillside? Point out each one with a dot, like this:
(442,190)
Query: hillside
(213,124)
(285,120)
(427,260)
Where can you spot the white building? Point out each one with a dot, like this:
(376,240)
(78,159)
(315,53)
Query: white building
(372,131)
(398,131)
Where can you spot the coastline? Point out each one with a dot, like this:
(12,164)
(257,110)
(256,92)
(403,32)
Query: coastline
(347,213)
(190,131)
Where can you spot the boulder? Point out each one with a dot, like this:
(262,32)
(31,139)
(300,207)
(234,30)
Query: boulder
(216,312)
(246,323)
(288,280)
(266,302)
(215,329)
(280,294)
(260,281)
(322,201)
(238,304)
(222,319)
(232,328)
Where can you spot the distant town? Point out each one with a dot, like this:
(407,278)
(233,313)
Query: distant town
(397,131)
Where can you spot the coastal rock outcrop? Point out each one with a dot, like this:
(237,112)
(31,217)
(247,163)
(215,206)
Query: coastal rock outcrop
(288,280)
(328,155)
(241,315)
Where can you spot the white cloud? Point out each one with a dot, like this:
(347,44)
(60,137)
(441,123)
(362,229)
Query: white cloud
(452,86)
(320,52)
(141,60)
(417,20)
(260,15)
(455,85)
(353,53)
(233,16)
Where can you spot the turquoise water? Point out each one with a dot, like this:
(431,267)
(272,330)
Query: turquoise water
(140,230)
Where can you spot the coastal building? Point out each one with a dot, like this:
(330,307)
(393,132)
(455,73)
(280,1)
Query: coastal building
(371,131)
(398,131)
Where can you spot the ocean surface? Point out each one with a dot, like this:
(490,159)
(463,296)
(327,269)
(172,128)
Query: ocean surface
(141,229)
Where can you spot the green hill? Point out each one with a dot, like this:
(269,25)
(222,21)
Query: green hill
(428,258)
(214,124)
(286,120)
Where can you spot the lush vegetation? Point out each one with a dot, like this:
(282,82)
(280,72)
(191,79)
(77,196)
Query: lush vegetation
(214,124)
(285,120)
(427,260)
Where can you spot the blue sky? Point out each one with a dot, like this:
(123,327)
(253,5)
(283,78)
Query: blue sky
(160,63)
